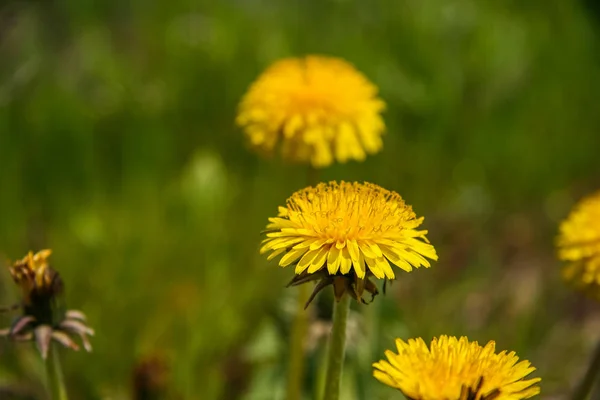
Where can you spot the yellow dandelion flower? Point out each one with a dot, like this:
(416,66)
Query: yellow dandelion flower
(316,109)
(579,244)
(455,369)
(344,233)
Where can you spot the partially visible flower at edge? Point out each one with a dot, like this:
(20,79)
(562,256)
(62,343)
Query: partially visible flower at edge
(578,244)
(43,319)
(343,234)
(316,109)
(455,369)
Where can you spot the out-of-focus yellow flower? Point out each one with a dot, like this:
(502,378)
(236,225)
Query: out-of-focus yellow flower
(34,276)
(43,318)
(316,109)
(579,244)
(455,369)
(344,233)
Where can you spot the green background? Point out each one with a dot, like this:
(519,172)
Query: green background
(118,150)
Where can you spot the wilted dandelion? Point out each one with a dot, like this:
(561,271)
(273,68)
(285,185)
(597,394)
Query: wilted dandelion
(343,234)
(455,369)
(579,244)
(43,318)
(315,109)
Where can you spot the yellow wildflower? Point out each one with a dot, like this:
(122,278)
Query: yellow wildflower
(455,369)
(316,109)
(579,244)
(344,233)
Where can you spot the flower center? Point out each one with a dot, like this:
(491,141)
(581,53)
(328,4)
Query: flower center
(351,212)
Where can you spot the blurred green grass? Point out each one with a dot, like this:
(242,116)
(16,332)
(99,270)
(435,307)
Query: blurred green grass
(119,152)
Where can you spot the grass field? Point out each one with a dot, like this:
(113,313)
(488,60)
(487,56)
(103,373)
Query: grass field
(119,151)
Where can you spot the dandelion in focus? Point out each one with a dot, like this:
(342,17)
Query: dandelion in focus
(43,318)
(316,109)
(455,369)
(579,245)
(342,234)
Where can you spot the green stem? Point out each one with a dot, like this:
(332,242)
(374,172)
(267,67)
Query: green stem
(54,375)
(584,388)
(337,347)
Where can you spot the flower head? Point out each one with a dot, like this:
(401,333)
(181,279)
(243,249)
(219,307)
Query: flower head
(316,109)
(43,318)
(345,233)
(455,369)
(35,277)
(579,244)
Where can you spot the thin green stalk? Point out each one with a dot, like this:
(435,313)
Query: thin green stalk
(582,391)
(54,376)
(337,348)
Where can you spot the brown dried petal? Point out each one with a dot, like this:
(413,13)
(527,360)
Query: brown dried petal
(43,336)
(64,339)
(77,327)
(322,284)
(20,324)
(86,343)
(23,337)
(340,286)
(75,314)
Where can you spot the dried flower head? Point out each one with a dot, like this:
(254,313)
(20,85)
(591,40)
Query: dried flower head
(37,280)
(316,109)
(43,318)
(455,369)
(343,234)
(579,244)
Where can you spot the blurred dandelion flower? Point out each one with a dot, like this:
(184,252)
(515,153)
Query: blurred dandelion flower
(455,369)
(43,318)
(317,108)
(579,244)
(342,234)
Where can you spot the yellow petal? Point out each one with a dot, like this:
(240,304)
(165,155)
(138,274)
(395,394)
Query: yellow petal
(291,256)
(395,259)
(305,261)
(334,259)
(385,266)
(422,248)
(415,259)
(366,249)
(319,261)
(346,261)
(319,242)
(275,254)
(374,268)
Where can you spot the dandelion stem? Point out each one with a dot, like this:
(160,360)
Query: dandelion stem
(337,347)
(300,327)
(584,388)
(54,375)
